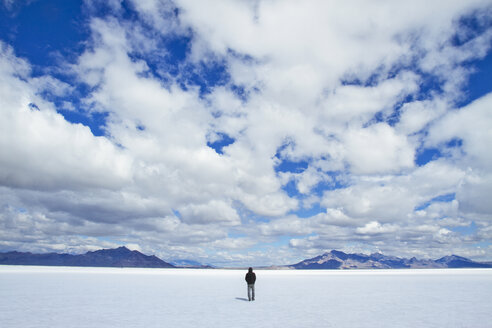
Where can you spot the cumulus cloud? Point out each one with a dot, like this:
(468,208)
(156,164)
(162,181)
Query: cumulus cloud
(39,148)
(471,125)
(374,227)
(344,92)
(378,149)
(211,212)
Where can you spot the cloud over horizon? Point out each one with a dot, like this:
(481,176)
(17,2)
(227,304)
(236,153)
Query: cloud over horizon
(247,132)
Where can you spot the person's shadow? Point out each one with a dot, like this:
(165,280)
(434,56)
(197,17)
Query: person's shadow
(242,299)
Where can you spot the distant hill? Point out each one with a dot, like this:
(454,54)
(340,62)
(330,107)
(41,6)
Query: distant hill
(182,263)
(123,257)
(341,260)
(118,257)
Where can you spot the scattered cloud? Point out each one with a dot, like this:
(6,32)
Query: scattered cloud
(252,132)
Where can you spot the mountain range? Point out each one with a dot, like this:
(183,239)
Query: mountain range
(118,257)
(190,264)
(123,257)
(341,260)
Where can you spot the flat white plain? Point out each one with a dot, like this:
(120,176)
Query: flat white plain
(114,297)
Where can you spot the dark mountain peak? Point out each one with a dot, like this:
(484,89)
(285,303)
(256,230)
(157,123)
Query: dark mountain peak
(341,255)
(452,258)
(377,255)
(323,256)
(120,250)
(117,257)
(455,261)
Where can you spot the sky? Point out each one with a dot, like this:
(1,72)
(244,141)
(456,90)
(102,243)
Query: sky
(246,132)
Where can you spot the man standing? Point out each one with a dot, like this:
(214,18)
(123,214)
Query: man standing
(250,280)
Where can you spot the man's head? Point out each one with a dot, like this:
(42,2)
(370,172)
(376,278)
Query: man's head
(250,270)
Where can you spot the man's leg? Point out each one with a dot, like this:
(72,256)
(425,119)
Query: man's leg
(249,292)
(253,290)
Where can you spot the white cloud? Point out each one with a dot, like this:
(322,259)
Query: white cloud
(473,195)
(378,149)
(321,80)
(440,210)
(158,14)
(395,197)
(374,228)
(233,243)
(39,149)
(212,212)
(470,124)
(415,116)
(356,104)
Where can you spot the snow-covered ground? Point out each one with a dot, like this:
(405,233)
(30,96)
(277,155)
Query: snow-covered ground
(112,297)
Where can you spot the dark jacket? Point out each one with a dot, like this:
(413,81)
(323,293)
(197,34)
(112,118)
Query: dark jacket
(250,277)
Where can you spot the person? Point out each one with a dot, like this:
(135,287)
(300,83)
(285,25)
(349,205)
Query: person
(250,280)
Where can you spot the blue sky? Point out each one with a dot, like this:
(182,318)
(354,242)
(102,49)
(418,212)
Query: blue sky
(246,132)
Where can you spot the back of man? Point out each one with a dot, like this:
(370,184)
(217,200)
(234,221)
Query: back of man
(250,280)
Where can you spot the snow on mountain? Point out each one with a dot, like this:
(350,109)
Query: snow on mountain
(123,257)
(340,260)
